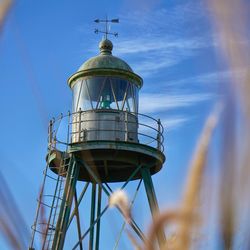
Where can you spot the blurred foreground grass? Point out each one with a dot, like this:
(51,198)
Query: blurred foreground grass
(230,22)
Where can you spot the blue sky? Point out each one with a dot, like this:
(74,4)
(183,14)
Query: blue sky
(170,44)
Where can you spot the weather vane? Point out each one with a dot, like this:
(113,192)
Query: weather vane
(106,32)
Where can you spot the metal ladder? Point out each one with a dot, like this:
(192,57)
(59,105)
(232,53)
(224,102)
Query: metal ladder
(46,229)
(56,203)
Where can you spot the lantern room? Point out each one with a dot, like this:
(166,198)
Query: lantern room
(105,91)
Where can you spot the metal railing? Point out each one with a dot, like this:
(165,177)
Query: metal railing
(64,128)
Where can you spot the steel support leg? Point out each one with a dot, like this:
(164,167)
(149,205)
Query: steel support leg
(96,179)
(63,218)
(78,220)
(92,217)
(99,206)
(78,203)
(152,200)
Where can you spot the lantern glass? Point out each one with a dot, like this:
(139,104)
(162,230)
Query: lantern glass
(105,93)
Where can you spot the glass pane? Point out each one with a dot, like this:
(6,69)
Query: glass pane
(95,87)
(131,99)
(105,93)
(76,94)
(126,106)
(86,97)
(135,93)
(106,98)
(119,89)
(112,94)
(82,98)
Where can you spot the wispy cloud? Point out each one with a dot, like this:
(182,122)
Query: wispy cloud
(161,43)
(169,123)
(153,103)
(156,103)
(149,55)
(175,122)
(153,64)
(211,77)
(160,38)
(165,20)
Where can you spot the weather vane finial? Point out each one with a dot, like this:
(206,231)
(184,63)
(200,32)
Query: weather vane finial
(106,21)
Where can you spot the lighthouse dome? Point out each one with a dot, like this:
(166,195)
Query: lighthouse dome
(105,60)
(105,65)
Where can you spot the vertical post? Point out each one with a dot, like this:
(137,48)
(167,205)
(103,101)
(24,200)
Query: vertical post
(152,200)
(68,130)
(79,125)
(50,133)
(99,204)
(126,125)
(92,217)
(53,143)
(78,220)
(159,135)
(63,217)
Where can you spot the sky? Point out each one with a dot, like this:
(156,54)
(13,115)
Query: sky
(172,45)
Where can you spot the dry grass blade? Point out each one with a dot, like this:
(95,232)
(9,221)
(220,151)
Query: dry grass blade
(194,180)
(185,216)
(43,219)
(161,221)
(4,8)
(231,21)
(120,199)
(10,235)
(13,225)
(134,241)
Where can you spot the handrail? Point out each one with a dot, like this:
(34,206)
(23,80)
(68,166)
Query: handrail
(158,129)
(61,116)
(113,120)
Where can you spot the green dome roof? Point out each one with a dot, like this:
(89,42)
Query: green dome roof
(105,60)
(105,64)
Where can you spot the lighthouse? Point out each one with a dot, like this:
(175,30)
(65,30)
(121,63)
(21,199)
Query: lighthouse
(103,139)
